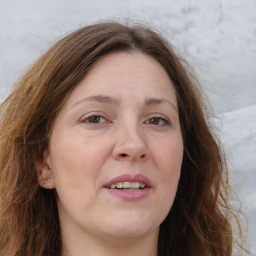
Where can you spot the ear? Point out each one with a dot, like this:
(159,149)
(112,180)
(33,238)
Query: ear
(44,171)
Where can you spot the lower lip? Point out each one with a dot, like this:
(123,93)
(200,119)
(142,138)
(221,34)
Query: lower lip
(134,195)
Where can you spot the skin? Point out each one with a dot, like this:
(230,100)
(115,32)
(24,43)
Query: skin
(95,139)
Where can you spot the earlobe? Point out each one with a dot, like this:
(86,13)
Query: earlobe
(44,171)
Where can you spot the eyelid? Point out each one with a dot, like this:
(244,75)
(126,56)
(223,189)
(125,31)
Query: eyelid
(160,116)
(92,114)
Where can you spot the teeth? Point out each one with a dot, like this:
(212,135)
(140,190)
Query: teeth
(135,184)
(128,185)
(119,185)
(142,185)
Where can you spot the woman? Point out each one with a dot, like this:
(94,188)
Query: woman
(106,149)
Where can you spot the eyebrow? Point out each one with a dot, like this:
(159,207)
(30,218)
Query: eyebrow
(110,100)
(157,101)
(99,98)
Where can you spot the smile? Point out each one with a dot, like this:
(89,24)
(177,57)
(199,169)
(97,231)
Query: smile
(127,185)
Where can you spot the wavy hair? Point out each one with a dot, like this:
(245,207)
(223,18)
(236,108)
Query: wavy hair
(199,222)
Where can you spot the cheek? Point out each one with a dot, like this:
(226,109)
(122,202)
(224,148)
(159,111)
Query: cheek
(76,165)
(168,159)
(168,155)
(77,161)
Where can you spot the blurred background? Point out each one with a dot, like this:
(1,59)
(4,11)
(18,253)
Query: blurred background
(217,38)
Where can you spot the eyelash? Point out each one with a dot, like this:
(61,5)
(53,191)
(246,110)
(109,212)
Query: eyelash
(88,119)
(159,119)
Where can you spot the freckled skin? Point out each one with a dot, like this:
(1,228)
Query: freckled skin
(85,153)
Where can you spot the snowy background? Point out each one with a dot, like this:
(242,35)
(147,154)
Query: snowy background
(217,37)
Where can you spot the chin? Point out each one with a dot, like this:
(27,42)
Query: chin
(131,226)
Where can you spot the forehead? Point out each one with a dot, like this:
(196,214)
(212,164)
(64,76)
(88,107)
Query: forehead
(124,75)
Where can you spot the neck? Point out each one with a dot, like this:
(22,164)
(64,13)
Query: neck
(143,246)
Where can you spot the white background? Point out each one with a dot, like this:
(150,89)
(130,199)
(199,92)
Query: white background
(217,37)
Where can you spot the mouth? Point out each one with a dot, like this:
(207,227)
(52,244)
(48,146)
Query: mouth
(129,187)
(128,181)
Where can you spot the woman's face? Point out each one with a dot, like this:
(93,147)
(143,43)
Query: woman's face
(116,150)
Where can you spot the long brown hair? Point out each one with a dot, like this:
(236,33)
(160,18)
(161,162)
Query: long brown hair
(199,222)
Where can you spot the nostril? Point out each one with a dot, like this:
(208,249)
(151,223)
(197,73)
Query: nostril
(124,155)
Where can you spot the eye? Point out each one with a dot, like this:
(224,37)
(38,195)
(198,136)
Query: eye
(158,121)
(94,119)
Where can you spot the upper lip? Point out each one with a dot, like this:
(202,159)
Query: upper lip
(128,177)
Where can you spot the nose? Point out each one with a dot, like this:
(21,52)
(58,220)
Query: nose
(130,145)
